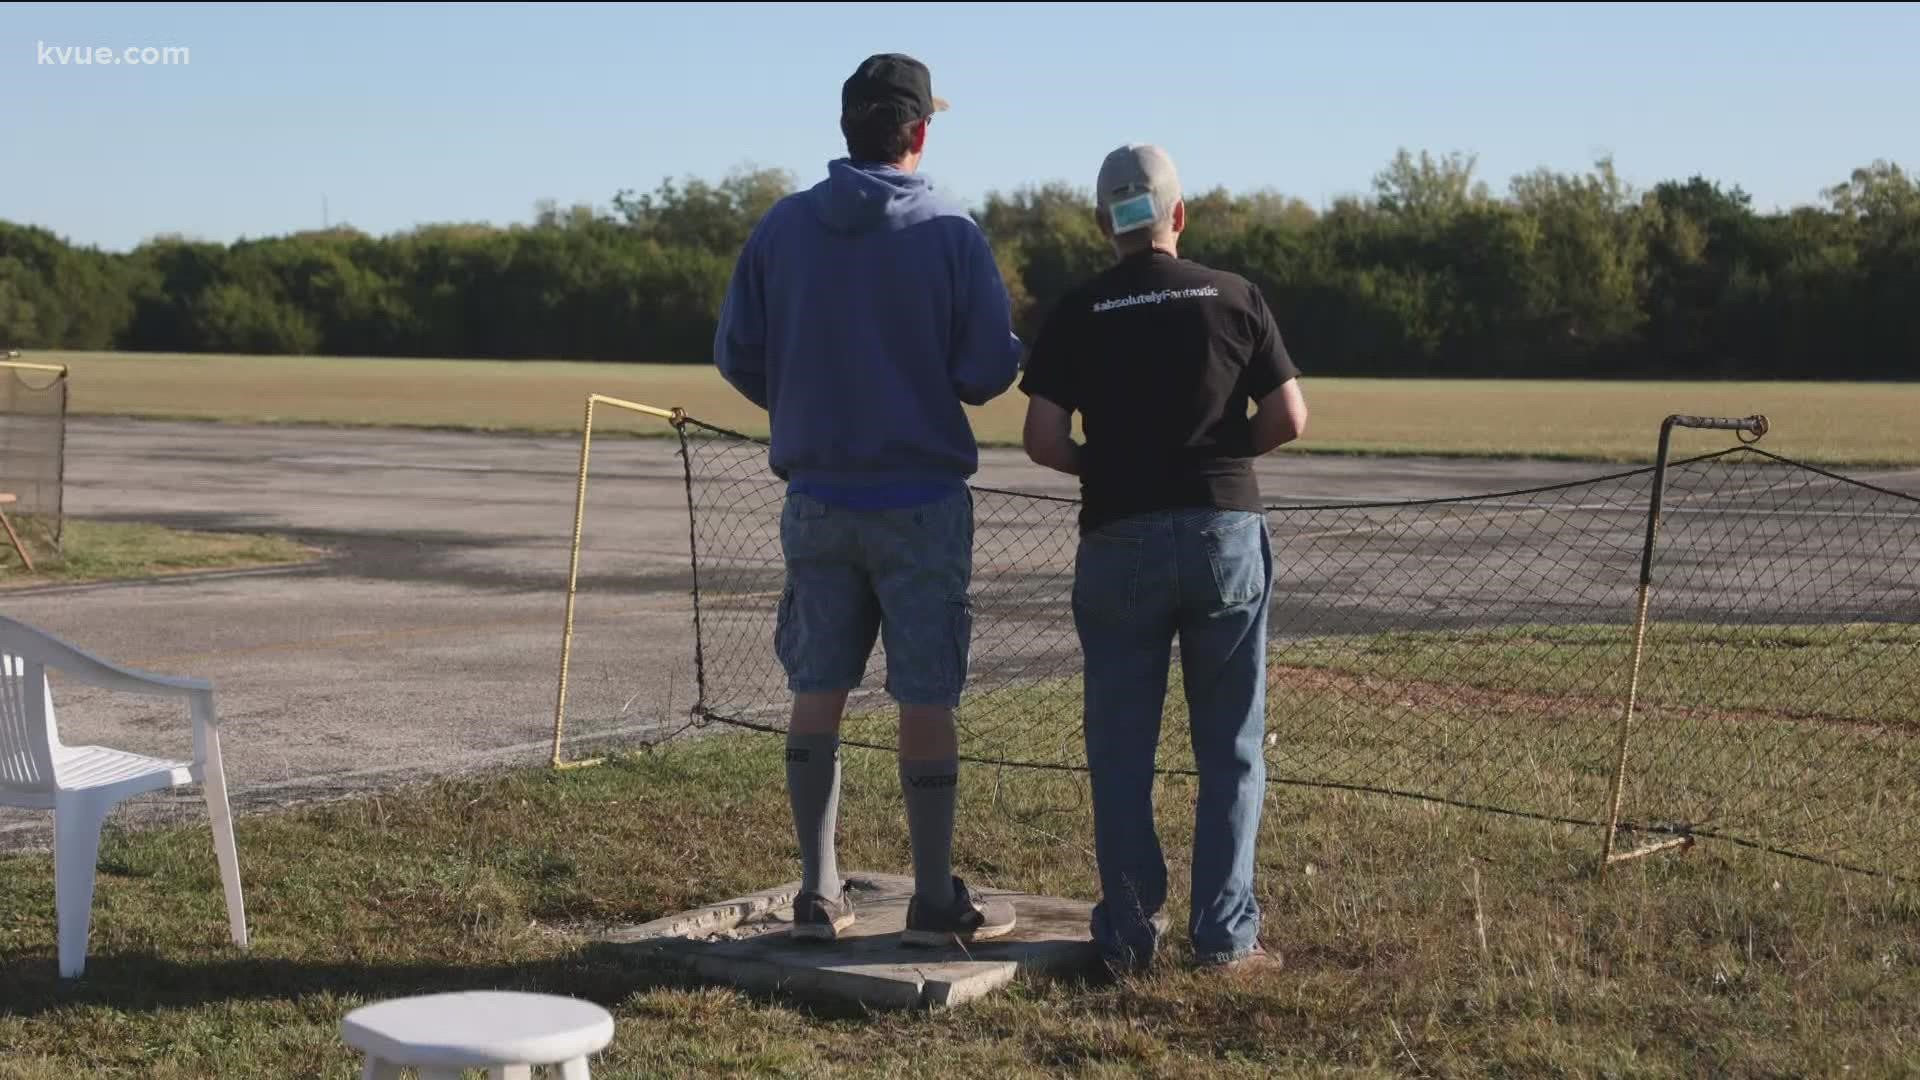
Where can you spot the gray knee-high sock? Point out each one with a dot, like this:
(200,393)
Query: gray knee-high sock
(813,789)
(929,790)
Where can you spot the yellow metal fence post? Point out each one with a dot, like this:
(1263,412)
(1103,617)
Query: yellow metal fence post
(573,583)
(573,565)
(1757,426)
(22,365)
(1626,729)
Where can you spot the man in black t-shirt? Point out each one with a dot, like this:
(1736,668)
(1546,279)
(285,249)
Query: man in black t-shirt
(1163,359)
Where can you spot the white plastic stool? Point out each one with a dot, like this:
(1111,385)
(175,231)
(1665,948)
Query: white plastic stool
(507,1034)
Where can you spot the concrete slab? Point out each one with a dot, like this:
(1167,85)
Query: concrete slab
(743,942)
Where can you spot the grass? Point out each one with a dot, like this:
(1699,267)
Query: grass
(1801,739)
(116,551)
(1834,671)
(1415,940)
(1831,423)
(1418,940)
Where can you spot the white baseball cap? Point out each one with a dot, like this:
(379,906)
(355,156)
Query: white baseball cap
(1138,187)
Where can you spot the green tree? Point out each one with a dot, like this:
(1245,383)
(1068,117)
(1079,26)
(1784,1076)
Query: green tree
(1880,192)
(170,276)
(18,325)
(78,297)
(709,217)
(1427,186)
(1591,255)
(1427,274)
(232,318)
(1052,230)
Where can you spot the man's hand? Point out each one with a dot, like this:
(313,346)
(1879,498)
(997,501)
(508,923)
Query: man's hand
(1048,437)
(1279,418)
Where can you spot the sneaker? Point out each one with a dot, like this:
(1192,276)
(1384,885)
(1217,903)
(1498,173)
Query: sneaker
(1257,962)
(967,920)
(816,918)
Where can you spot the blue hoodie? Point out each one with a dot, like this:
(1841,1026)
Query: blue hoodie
(862,313)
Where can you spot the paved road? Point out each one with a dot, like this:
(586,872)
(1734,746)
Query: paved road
(426,641)
(427,638)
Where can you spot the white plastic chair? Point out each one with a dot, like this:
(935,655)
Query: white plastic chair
(82,784)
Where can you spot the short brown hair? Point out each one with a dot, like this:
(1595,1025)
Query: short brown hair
(877,137)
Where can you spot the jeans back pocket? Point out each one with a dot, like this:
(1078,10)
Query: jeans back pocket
(1237,554)
(1106,579)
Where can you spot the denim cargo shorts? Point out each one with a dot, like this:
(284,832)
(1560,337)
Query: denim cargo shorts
(899,576)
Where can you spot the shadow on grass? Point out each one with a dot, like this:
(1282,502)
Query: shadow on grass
(142,982)
(605,974)
(601,973)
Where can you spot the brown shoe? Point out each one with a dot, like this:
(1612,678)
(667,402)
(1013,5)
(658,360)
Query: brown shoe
(1257,962)
(816,918)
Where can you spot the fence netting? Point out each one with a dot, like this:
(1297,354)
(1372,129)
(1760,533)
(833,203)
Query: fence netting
(33,435)
(1474,651)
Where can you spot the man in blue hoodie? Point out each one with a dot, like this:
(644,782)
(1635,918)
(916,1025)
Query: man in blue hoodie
(862,315)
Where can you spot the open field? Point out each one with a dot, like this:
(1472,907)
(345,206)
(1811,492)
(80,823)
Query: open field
(1417,940)
(448,552)
(1837,423)
(1798,739)
(1477,651)
(1778,671)
(96,551)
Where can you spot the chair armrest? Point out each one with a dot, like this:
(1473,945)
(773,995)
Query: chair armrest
(106,676)
(129,681)
(87,669)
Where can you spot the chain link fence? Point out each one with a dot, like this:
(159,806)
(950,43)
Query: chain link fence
(1478,651)
(33,437)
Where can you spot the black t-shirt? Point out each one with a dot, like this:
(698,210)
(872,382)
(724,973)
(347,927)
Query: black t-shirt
(1161,357)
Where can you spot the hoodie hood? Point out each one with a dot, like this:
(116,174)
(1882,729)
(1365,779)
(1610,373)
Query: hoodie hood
(857,198)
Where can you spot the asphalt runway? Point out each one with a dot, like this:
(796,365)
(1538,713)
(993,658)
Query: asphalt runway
(426,640)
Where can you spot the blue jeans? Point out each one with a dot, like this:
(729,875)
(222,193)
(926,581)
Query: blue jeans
(1204,577)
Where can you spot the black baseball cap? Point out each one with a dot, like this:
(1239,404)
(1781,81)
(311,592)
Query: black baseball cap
(894,84)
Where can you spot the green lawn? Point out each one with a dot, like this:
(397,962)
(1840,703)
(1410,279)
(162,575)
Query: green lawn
(1804,739)
(1412,937)
(1839,671)
(1838,423)
(113,551)
(1418,939)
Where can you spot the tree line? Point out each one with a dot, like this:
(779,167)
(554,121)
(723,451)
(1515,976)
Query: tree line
(1429,273)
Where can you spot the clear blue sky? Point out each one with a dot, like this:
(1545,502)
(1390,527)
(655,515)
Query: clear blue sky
(399,115)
